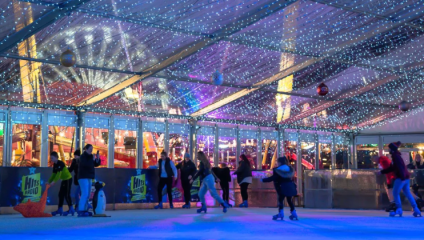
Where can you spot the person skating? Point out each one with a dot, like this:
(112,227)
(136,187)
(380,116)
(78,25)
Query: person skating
(282,177)
(401,181)
(385,163)
(224,176)
(187,170)
(86,174)
(167,175)
(74,168)
(208,183)
(60,172)
(244,178)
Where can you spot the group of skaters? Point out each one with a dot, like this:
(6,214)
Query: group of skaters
(282,179)
(83,166)
(398,179)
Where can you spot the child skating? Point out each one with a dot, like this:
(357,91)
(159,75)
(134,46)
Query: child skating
(285,187)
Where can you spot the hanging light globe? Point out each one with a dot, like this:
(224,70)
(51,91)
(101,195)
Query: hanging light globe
(68,58)
(404,106)
(322,89)
(217,78)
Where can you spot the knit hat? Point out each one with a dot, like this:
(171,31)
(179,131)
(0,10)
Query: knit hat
(282,160)
(186,155)
(394,146)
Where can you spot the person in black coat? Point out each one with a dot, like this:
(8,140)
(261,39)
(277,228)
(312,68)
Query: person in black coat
(282,177)
(86,174)
(244,178)
(187,170)
(74,168)
(223,173)
(167,175)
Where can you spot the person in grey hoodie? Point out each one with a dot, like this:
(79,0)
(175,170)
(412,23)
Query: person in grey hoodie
(282,177)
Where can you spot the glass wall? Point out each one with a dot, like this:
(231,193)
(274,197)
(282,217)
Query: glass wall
(227,151)
(1,142)
(125,152)
(205,142)
(178,141)
(342,152)
(308,153)
(408,151)
(152,148)
(269,153)
(26,145)
(62,141)
(325,155)
(364,155)
(249,146)
(99,138)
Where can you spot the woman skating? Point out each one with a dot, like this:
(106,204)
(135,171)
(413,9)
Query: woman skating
(282,177)
(401,181)
(208,183)
(244,178)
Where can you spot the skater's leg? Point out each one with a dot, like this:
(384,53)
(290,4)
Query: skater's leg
(415,189)
(162,182)
(290,202)
(389,192)
(202,192)
(407,193)
(187,194)
(169,189)
(210,184)
(77,191)
(397,186)
(62,193)
(225,190)
(85,185)
(280,202)
(243,190)
(68,184)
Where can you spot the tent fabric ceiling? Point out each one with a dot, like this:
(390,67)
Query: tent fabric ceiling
(367,52)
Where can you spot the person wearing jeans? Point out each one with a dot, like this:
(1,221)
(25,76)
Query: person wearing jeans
(86,175)
(401,181)
(205,173)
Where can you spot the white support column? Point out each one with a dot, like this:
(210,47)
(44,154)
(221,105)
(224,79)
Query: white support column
(216,147)
(333,151)
(352,148)
(139,163)
(166,138)
(299,165)
(192,141)
(7,152)
(259,154)
(238,148)
(279,142)
(44,156)
(111,143)
(317,151)
(79,131)
(380,145)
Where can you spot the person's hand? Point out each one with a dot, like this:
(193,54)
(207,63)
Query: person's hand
(191,181)
(217,180)
(189,177)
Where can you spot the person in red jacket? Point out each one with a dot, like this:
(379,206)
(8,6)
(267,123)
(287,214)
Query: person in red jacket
(401,181)
(384,163)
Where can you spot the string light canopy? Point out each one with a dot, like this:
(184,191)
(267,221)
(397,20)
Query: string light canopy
(169,58)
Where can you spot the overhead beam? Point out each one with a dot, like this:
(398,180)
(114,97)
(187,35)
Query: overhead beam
(40,23)
(383,28)
(245,21)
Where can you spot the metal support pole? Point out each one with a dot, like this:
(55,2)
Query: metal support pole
(317,151)
(299,165)
(259,154)
(192,143)
(79,131)
(238,148)
(139,163)
(279,143)
(7,152)
(333,151)
(166,138)
(216,147)
(352,151)
(380,145)
(44,156)
(111,143)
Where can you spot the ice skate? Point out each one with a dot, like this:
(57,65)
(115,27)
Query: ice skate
(293,215)
(279,215)
(59,211)
(159,206)
(70,211)
(85,214)
(397,212)
(244,204)
(391,207)
(224,207)
(186,206)
(417,213)
(171,206)
(229,205)
(202,209)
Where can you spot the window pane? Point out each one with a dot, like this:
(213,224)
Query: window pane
(178,146)
(324,156)
(99,138)
(26,145)
(62,141)
(364,154)
(227,151)
(152,147)
(291,154)
(125,149)
(342,156)
(206,144)
(249,147)
(308,155)
(1,142)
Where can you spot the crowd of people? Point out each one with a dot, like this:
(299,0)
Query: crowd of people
(83,166)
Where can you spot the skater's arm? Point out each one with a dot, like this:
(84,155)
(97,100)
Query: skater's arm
(201,169)
(73,165)
(174,169)
(268,179)
(97,162)
(388,170)
(240,168)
